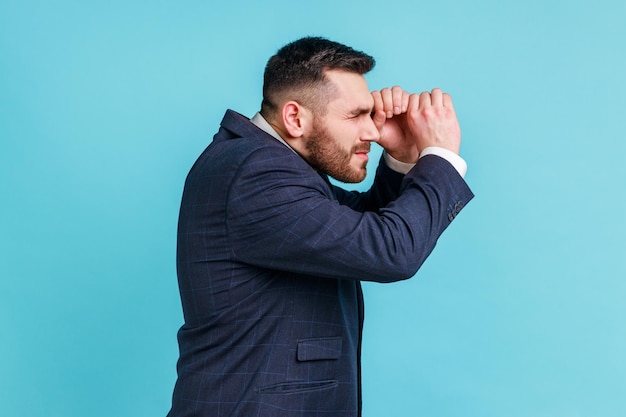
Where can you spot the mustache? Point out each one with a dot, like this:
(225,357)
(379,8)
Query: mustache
(361,148)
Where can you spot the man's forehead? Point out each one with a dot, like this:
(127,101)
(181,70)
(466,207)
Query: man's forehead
(352,90)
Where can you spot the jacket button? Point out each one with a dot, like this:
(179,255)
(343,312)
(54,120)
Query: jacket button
(457,208)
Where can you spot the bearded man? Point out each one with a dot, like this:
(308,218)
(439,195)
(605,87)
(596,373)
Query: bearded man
(271,253)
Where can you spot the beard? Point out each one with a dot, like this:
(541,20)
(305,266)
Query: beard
(327,155)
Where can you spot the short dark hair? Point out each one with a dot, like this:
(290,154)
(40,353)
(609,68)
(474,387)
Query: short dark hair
(297,72)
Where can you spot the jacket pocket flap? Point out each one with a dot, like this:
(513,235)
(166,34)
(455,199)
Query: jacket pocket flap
(319,349)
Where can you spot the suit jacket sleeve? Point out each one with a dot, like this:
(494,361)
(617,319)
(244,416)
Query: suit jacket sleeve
(282,215)
(385,189)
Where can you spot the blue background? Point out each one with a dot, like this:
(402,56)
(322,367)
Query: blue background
(104,107)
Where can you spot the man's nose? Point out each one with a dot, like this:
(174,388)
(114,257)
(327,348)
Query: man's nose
(370,132)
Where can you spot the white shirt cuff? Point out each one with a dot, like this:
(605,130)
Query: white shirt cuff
(398,166)
(403,167)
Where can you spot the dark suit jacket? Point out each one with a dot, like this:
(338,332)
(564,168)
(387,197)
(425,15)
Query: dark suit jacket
(270,258)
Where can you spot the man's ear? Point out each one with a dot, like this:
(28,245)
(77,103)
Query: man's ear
(296,118)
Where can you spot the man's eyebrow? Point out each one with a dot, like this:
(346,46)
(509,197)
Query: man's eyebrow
(361,110)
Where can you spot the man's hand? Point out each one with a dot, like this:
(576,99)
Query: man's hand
(389,115)
(408,123)
(432,121)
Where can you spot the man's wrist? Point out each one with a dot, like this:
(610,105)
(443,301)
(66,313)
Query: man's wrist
(398,166)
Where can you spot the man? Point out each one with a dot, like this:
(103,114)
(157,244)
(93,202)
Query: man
(271,254)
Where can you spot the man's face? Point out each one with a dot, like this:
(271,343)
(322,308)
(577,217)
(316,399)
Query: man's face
(340,140)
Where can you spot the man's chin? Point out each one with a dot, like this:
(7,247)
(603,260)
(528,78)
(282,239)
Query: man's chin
(352,177)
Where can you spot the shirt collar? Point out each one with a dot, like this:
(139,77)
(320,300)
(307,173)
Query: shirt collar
(259,121)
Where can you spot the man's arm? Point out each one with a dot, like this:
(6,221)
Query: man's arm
(281,217)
